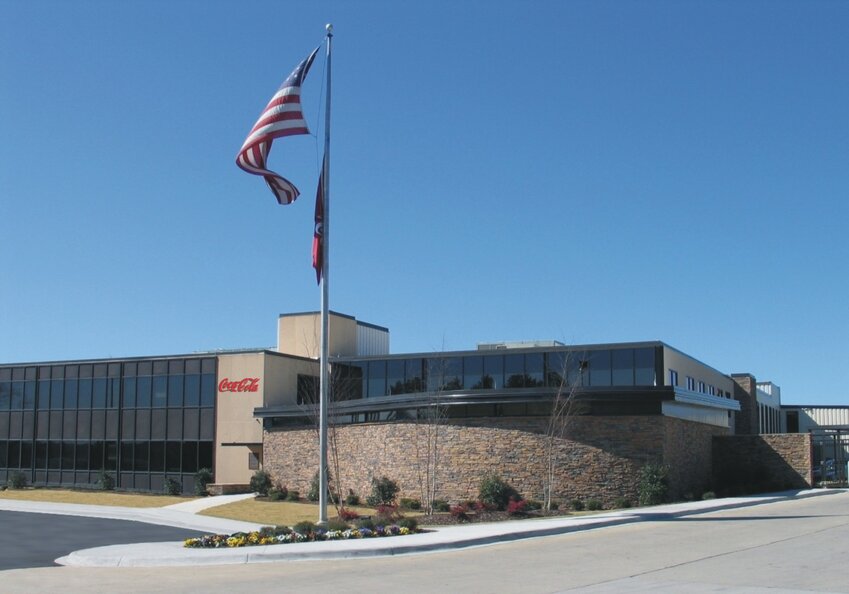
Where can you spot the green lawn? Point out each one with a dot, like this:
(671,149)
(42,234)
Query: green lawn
(92,497)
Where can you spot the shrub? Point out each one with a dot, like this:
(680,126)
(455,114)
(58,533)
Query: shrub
(365,523)
(305,527)
(172,487)
(440,505)
(387,514)
(460,512)
(202,479)
(407,503)
(276,494)
(534,505)
(293,496)
(267,531)
(494,491)
(16,480)
(261,482)
(347,515)
(554,506)
(593,504)
(351,498)
(654,484)
(105,481)
(383,492)
(315,487)
(517,507)
(410,523)
(621,503)
(337,524)
(708,495)
(577,504)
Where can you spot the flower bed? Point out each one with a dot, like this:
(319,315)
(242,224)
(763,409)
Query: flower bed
(279,535)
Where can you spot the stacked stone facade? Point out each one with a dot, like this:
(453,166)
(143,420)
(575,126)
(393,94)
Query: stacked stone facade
(745,392)
(599,457)
(754,463)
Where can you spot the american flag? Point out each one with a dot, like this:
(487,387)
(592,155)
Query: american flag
(281,117)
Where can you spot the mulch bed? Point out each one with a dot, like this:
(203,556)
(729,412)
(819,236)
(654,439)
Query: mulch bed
(446,519)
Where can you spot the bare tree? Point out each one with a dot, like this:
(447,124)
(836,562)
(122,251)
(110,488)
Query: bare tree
(429,420)
(563,409)
(309,402)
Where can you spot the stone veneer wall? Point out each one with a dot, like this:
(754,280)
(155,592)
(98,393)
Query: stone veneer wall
(745,392)
(757,463)
(600,457)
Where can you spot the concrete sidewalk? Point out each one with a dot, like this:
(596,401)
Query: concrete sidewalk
(436,539)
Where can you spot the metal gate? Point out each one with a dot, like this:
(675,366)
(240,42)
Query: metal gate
(831,453)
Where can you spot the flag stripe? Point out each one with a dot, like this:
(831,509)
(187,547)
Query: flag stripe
(282,116)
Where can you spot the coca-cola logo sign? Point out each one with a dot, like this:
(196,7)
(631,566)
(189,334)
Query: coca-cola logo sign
(248,384)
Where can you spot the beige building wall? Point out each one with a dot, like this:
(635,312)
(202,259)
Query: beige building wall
(281,378)
(687,366)
(238,434)
(300,335)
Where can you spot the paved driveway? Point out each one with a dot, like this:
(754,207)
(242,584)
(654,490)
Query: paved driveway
(35,540)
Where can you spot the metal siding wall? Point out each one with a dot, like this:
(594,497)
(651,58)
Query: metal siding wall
(371,341)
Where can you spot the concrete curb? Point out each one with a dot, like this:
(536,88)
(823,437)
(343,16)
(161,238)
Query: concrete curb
(438,539)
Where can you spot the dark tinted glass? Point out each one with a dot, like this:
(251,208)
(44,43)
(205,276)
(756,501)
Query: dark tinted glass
(205,455)
(172,456)
(160,386)
(192,390)
(644,367)
(68,455)
(472,372)
(157,456)
(82,455)
(140,454)
(143,391)
(5,395)
(190,456)
(207,389)
(376,378)
(29,395)
(599,368)
(493,372)
(395,376)
(622,367)
(57,391)
(129,392)
(84,396)
(71,387)
(98,399)
(17,395)
(175,390)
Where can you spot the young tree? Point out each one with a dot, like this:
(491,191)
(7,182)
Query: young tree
(563,408)
(429,419)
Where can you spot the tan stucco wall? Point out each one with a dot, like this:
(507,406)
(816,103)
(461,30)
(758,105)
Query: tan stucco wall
(687,366)
(235,422)
(299,334)
(281,378)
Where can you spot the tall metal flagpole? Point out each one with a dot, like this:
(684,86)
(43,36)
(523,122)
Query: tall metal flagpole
(324,392)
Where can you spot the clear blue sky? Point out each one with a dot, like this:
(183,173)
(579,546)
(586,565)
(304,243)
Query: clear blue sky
(579,171)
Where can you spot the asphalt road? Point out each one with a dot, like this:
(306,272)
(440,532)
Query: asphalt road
(35,540)
(791,546)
